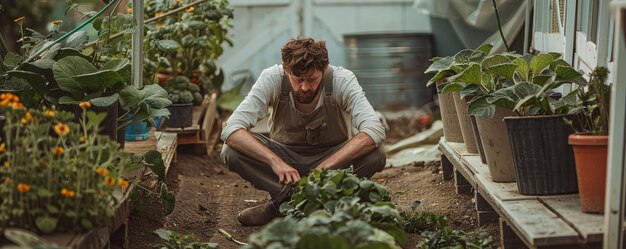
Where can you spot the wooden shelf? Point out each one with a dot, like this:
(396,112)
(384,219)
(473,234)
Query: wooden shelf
(538,221)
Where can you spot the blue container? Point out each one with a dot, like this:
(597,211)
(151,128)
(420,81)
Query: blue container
(137,132)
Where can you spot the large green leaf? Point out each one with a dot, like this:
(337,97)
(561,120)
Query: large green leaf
(504,70)
(522,68)
(130,96)
(77,40)
(494,60)
(12,59)
(121,67)
(470,90)
(46,224)
(479,107)
(97,81)
(540,63)
(567,73)
(15,84)
(35,80)
(105,100)
(524,102)
(168,45)
(471,75)
(545,78)
(525,88)
(451,87)
(485,48)
(463,56)
(66,68)
(439,65)
(440,75)
(154,161)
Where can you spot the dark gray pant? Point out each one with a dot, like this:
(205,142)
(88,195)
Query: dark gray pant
(262,177)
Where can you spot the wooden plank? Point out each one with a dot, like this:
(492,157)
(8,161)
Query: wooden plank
(214,137)
(456,161)
(508,237)
(537,224)
(504,191)
(209,119)
(167,144)
(590,226)
(199,114)
(447,168)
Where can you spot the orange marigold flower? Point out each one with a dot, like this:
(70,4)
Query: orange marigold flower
(57,22)
(57,151)
(67,193)
(158,14)
(24,121)
(129,10)
(102,171)
(8,181)
(83,139)
(16,105)
(19,20)
(15,99)
(48,113)
(109,181)
(61,129)
(28,116)
(22,188)
(5,164)
(159,25)
(3,148)
(85,104)
(123,183)
(190,9)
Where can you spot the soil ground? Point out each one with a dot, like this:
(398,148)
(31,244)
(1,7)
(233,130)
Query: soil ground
(208,197)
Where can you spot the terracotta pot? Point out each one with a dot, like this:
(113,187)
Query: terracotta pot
(163,76)
(590,153)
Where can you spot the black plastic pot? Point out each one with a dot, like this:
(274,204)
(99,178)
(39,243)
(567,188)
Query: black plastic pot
(543,159)
(181,115)
(479,143)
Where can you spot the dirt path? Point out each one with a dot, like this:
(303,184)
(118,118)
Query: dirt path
(209,197)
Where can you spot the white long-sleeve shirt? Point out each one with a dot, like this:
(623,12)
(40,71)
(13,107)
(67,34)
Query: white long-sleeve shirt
(347,93)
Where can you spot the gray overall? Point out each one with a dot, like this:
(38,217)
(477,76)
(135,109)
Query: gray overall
(302,141)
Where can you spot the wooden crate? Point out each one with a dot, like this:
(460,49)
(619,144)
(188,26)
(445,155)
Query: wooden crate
(204,122)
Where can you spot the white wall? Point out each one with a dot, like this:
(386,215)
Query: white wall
(262,27)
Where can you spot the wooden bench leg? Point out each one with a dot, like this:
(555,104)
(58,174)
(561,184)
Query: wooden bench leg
(463,187)
(446,168)
(508,238)
(486,213)
(119,238)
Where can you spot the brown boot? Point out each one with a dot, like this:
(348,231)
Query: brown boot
(258,215)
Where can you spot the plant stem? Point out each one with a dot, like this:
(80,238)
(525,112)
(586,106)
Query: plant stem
(500,26)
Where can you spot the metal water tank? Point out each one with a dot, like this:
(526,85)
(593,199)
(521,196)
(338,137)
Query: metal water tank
(390,67)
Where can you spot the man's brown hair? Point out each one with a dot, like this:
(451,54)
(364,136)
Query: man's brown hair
(302,54)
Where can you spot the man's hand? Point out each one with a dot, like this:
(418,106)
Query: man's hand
(286,174)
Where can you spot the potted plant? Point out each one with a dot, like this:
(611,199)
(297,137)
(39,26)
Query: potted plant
(187,42)
(590,143)
(183,95)
(537,133)
(457,125)
(64,76)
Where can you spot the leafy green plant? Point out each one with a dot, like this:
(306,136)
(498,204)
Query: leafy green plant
(451,238)
(58,175)
(449,66)
(181,90)
(321,230)
(525,84)
(417,222)
(63,75)
(188,42)
(594,101)
(323,189)
(175,240)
